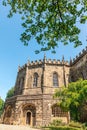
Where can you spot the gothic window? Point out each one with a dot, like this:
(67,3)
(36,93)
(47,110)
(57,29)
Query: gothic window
(21,82)
(72,78)
(82,75)
(8,112)
(57,111)
(55,79)
(35,80)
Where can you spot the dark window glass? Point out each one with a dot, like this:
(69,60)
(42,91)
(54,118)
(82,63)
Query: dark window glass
(35,82)
(58,112)
(55,79)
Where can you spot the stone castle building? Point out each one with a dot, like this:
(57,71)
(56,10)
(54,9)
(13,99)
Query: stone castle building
(36,82)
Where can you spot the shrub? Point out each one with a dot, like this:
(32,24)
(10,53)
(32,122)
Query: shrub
(63,128)
(56,123)
(75,124)
(1,106)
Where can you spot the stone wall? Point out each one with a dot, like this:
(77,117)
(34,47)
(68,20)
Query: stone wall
(79,68)
(31,104)
(48,77)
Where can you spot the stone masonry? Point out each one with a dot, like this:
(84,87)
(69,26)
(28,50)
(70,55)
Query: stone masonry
(33,103)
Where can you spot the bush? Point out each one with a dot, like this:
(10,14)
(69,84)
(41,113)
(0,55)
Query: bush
(56,123)
(84,127)
(1,106)
(75,124)
(59,125)
(63,128)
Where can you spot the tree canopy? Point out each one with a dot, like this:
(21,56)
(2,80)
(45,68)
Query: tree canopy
(73,98)
(10,93)
(1,106)
(50,21)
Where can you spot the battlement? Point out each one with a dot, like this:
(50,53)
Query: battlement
(22,67)
(48,61)
(41,62)
(78,57)
(54,61)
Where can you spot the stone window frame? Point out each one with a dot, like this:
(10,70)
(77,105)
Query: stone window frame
(57,111)
(55,79)
(72,78)
(8,111)
(21,82)
(30,117)
(35,79)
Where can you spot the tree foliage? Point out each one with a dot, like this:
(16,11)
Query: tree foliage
(50,21)
(10,93)
(1,106)
(73,98)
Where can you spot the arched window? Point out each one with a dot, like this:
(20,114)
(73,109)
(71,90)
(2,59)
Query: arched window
(21,82)
(72,78)
(8,111)
(57,111)
(35,80)
(82,75)
(55,79)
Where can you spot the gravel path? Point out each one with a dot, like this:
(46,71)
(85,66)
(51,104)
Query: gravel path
(15,127)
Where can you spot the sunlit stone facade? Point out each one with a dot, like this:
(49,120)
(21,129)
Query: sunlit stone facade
(33,103)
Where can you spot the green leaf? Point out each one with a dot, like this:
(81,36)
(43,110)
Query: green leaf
(50,22)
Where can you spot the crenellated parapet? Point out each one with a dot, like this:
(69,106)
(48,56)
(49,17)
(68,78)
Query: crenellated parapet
(78,57)
(36,62)
(22,67)
(54,61)
(42,62)
(57,62)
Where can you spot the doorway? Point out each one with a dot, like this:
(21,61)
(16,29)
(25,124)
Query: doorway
(28,118)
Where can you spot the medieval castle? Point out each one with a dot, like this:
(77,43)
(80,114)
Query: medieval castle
(33,102)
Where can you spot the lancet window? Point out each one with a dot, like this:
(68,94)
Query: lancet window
(35,80)
(55,79)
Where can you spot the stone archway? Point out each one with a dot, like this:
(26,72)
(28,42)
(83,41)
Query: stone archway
(8,115)
(29,114)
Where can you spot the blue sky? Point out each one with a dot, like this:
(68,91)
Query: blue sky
(13,53)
